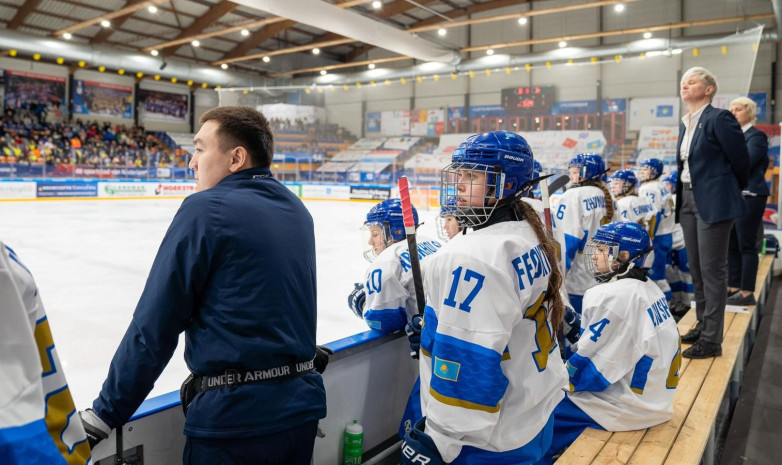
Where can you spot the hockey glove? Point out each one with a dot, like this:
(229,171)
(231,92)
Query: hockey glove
(418,447)
(413,330)
(356,300)
(571,325)
(322,354)
(97,430)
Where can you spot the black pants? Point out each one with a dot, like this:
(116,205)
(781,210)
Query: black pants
(707,251)
(743,251)
(290,447)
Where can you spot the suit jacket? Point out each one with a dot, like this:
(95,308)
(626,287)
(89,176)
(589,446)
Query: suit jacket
(757,145)
(719,166)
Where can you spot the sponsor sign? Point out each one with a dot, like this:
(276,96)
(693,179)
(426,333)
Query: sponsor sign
(126,189)
(171,189)
(17,190)
(67,189)
(370,193)
(325,192)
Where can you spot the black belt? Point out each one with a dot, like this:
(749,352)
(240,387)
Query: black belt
(233,378)
(687,185)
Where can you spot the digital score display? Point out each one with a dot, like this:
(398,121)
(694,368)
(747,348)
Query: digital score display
(528,100)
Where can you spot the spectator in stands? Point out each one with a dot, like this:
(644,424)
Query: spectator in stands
(713,163)
(743,250)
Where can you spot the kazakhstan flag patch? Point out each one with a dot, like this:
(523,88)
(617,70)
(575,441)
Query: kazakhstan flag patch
(446,369)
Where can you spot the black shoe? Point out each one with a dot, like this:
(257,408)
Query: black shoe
(703,349)
(730,293)
(738,299)
(692,336)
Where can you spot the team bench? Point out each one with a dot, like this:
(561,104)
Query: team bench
(705,386)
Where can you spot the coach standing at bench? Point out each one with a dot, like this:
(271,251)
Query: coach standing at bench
(713,164)
(236,273)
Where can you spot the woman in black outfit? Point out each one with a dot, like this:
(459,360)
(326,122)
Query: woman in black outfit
(743,251)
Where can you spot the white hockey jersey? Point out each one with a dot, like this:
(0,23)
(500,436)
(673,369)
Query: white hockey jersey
(578,215)
(637,209)
(38,420)
(662,201)
(390,300)
(490,368)
(626,368)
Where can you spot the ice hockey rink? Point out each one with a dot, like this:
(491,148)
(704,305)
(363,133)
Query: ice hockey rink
(90,260)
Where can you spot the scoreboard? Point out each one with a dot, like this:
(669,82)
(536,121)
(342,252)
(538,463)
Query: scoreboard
(530,100)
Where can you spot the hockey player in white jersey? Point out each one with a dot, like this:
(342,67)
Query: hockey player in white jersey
(448,226)
(678,269)
(585,206)
(38,421)
(490,374)
(664,221)
(386,300)
(630,206)
(625,372)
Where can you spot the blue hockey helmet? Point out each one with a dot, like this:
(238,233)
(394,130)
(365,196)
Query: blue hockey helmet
(654,166)
(604,250)
(625,181)
(387,215)
(537,169)
(590,166)
(446,228)
(672,178)
(503,158)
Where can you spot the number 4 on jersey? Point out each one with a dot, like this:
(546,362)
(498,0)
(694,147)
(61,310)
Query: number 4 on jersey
(597,329)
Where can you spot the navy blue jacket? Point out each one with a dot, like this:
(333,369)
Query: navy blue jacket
(757,145)
(719,166)
(236,273)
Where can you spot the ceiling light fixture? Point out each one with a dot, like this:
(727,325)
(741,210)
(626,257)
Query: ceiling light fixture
(105,23)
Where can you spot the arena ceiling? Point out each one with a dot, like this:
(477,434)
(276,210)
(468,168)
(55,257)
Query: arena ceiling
(217,32)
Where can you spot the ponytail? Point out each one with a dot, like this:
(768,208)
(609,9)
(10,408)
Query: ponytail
(553,296)
(609,200)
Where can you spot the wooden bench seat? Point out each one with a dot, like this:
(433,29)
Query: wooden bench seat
(702,386)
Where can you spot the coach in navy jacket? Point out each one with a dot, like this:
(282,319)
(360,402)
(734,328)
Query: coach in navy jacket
(713,167)
(236,273)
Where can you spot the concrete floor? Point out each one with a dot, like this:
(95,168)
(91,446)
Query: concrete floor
(755,431)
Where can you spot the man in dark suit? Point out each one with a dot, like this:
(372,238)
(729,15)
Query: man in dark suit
(713,164)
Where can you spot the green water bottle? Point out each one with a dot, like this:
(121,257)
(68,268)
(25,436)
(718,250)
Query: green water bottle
(354,443)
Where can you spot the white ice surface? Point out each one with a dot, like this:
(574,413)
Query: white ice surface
(90,260)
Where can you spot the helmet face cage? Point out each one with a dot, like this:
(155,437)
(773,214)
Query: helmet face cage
(602,259)
(622,182)
(651,168)
(448,225)
(477,189)
(369,237)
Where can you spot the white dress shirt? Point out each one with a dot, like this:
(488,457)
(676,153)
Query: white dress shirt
(690,121)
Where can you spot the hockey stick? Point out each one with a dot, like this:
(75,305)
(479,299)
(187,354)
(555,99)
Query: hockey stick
(558,183)
(412,245)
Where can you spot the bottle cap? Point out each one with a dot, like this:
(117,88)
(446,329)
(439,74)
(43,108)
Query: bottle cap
(354,428)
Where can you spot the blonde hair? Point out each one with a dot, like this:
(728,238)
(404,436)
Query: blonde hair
(609,216)
(705,76)
(554,298)
(749,105)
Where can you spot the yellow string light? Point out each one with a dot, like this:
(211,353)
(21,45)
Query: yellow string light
(436,77)
(345,87)
(157,77)
(724,49)
(643,55)
(218,87)
(593,60)
(372,83)
(570,62)
(528,67)
(618,58)
(419,79)
(36,56)
(101,68)
(696,52)
(203,85)
(245,91)
(358,84)
(507,70)
(190,82)
(82,64)
(453,76)
(60,60)
(306,91)
(120,72)
(471,74)
(388,82)
(548,65)
(12,52)
(403,81)
(488,72)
